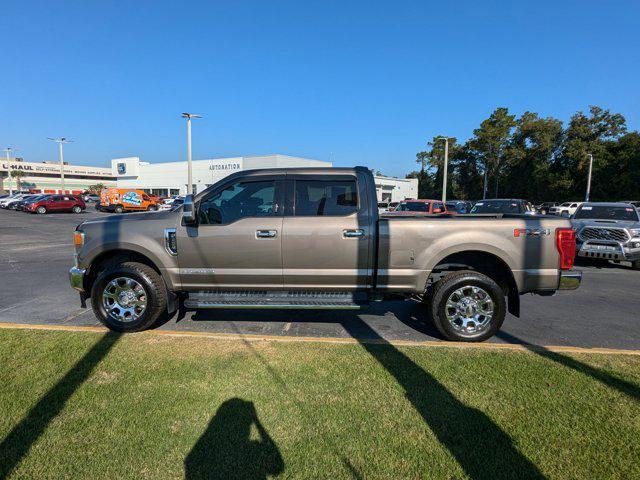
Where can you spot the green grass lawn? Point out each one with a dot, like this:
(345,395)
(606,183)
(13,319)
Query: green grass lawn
(91,405)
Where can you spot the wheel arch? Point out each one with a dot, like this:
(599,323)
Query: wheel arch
(483,262)
(116,255)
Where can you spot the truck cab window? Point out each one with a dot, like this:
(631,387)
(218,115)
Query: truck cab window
(325,197)
(238,200)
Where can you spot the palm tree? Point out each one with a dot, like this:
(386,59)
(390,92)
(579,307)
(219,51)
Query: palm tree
(18,174)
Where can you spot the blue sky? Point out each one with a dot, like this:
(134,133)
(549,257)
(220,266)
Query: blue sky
(361,83)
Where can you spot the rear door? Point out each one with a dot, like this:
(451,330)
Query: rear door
(327,233)
(67,202)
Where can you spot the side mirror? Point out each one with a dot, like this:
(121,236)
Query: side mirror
(188,211)
(437,210)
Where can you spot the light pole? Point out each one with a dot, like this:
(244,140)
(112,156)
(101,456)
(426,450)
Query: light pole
(60,141)
(586,198)
(189,116)
(8,150)
(446,166)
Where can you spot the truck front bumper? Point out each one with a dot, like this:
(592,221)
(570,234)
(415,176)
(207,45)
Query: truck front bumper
(570,279)
(609,251)
(76,278)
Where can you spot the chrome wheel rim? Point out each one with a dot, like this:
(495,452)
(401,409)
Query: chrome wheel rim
(124,299)
(469,310)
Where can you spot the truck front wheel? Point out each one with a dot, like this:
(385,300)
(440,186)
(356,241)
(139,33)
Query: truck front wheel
(128,297)
(467,306)
(119,209)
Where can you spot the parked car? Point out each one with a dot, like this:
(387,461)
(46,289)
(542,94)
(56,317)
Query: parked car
(90,197)
(120,200)
(387,206)
(544,208)
(312,238)
(418,207)
(609,231)
(503,205)
(459,206)
(5,202)
(171,203)
(13,203)
(58,203)
(565,209)
(23,204)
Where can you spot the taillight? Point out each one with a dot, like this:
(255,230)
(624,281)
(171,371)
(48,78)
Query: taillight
(566,245)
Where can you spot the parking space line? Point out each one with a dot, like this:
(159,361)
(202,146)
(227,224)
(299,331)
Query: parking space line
(334,340)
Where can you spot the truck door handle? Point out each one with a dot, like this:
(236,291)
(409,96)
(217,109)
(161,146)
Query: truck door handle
(266,233)
(353,233)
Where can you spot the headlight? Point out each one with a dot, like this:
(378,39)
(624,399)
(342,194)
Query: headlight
(635,232)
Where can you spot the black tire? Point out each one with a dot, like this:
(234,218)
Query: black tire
(148,278)
(635,264)
(152,208)
(445,287)
(119,209)
(76,209)
(41,210)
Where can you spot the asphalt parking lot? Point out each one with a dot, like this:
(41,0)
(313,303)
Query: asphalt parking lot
(36,252)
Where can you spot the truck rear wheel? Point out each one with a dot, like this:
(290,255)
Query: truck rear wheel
(467,306)
(128,297)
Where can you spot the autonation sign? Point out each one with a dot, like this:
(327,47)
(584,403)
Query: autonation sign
(224,166)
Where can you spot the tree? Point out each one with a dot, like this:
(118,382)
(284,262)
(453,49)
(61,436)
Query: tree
(96,188)
(18,174)
(490,141)
(538,158)
(530,155)
(589,135)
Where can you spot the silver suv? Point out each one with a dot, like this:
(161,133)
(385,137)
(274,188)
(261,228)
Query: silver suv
(609,231)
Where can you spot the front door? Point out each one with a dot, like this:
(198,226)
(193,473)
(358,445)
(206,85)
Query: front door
(237,243)
(327,233)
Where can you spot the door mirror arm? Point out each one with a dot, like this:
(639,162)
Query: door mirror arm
(189,212)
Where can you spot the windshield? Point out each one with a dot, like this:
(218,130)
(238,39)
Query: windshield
(413,207)
(496,206)
(601,212)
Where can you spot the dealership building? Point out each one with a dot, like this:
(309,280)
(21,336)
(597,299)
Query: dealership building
(45,177)
(167,179)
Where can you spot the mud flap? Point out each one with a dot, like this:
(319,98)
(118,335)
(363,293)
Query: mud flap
(514,302)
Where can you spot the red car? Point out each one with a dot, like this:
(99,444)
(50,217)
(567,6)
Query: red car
(418,207)
(58,203)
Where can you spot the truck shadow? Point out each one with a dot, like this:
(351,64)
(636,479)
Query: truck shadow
(226,450)
(19,441)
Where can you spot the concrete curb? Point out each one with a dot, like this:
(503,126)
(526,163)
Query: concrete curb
(333,340)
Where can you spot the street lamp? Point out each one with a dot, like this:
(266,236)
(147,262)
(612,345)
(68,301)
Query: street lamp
(8,150)
(189,116)
(586,198)
(446,166)
(60,141)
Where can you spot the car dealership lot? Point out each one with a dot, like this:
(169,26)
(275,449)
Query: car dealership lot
(36,253)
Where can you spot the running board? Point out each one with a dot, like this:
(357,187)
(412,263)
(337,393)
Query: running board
(276,299)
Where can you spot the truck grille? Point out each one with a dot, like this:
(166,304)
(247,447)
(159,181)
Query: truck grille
(600,233)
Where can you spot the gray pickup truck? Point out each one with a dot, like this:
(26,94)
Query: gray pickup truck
(608,231)
(312,238)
